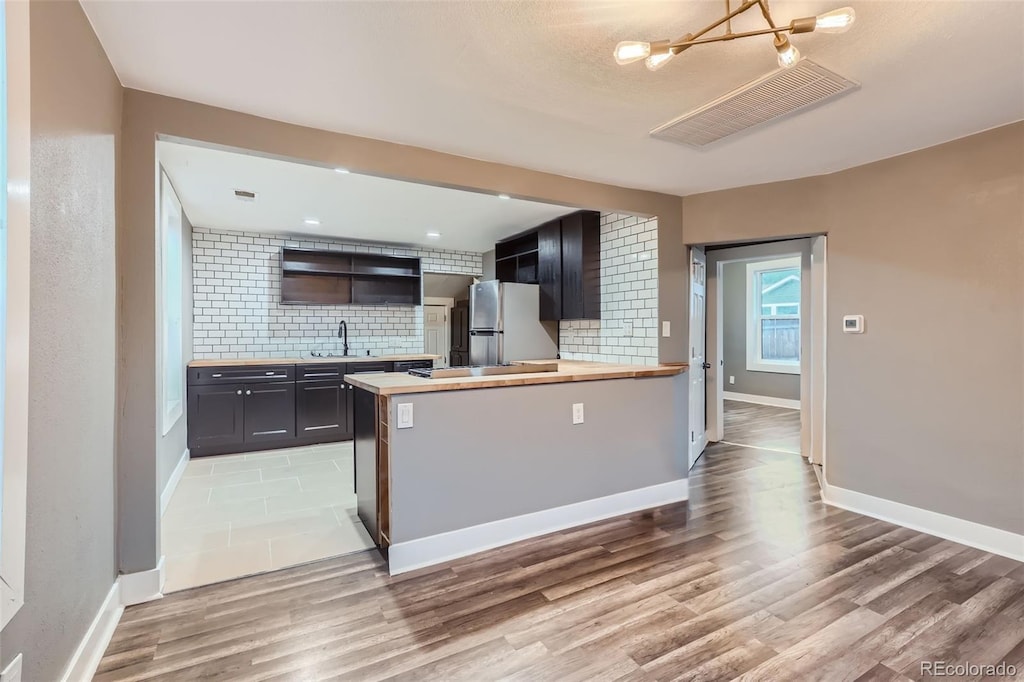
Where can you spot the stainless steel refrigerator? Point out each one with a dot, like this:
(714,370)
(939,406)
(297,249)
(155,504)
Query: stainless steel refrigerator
(504,324)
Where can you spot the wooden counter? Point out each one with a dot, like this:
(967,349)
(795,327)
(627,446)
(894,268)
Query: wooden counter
(309,360)
(393,383)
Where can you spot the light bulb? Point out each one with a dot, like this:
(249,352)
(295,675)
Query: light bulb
(629,51)
(788,54)
(656,61)
(836,21)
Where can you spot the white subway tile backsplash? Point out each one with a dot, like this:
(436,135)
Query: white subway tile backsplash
(237,311)
(629,294)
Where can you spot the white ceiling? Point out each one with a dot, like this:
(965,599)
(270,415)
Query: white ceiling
(533,83)
(348,205)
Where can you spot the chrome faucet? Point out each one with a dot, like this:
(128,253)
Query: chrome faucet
(343,335)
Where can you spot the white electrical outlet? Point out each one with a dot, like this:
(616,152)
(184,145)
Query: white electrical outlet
(732,379)
(12,673)
(404,416)
(666,328)
(627,329)
(577,413)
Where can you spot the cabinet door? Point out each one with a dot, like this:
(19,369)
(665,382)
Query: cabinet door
(572,267)
(215,415)
(269,412)
(549,269)
(581,266)
(321,410)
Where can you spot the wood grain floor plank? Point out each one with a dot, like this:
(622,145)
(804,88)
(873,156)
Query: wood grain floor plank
(754,578)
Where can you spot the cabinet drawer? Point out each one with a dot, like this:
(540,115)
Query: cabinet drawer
(367,367)
(320,372)
(406,365)
(233,374)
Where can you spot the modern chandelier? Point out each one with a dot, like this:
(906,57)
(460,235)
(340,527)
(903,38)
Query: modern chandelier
(658,53)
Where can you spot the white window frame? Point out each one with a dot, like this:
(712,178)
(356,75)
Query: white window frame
(16,329)
(172,379)
(755,363)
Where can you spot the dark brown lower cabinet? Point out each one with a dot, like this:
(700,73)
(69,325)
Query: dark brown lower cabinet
(321,410)
(260,407)
(269,412)
(364,427)
(215,416)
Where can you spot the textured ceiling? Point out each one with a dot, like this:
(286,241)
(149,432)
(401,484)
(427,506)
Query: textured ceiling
(347,205)
(533,83)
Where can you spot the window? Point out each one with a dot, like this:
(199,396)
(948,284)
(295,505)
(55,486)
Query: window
(15,254)
(171,303)
(773,316)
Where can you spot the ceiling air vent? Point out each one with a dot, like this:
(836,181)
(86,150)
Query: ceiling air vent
(245,195)
(768,98)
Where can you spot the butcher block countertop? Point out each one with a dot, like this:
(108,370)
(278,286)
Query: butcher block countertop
(568,370)
(310,361)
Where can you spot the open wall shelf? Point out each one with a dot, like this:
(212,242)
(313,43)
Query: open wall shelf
(318,277)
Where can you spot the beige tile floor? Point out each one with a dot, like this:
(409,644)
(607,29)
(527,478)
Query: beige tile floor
(236,515)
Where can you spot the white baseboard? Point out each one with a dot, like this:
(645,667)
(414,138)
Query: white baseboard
(986,538)
(436,549)
(143,586)
(172,482)
(87,656)
(762,400)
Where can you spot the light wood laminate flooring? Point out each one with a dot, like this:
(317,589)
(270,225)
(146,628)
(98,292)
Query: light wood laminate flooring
(754,578)
(762,426)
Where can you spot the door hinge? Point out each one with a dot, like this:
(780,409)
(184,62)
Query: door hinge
(693,438)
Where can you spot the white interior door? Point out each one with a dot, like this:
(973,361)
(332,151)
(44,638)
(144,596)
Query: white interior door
(435,333)
(698,352)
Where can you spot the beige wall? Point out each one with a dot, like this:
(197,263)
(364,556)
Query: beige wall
(148,116)
(925,408)
(70,546)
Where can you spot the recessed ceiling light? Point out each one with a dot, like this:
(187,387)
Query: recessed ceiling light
(434,235)
(311,221)
(341,170)
(504,196)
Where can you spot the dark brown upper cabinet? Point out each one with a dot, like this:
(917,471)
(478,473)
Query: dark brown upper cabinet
(563,256)
(581,266)
(315,276)
(515,258)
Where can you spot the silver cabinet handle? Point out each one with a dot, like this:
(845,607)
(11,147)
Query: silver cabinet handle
(248,392)
(238,392)
(270,374)
(216,376)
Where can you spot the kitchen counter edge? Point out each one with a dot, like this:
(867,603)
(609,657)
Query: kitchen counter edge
(239,362)
(398,384)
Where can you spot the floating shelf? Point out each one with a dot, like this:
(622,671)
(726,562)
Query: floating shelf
(320,277)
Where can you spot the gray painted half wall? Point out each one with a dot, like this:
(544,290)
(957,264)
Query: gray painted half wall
(477,456)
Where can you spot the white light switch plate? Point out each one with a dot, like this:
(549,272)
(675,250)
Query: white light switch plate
(666,328)
(404,416)
(13,671)
(577,413)
(627,329)
(732,379)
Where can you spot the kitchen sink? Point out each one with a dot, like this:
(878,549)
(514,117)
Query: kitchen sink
(317,354)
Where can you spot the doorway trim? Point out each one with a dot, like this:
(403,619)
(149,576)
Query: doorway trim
(813,309)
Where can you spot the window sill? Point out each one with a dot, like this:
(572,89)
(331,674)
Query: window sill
(769,368)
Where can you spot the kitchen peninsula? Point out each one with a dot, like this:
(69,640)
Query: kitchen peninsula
(447,467)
